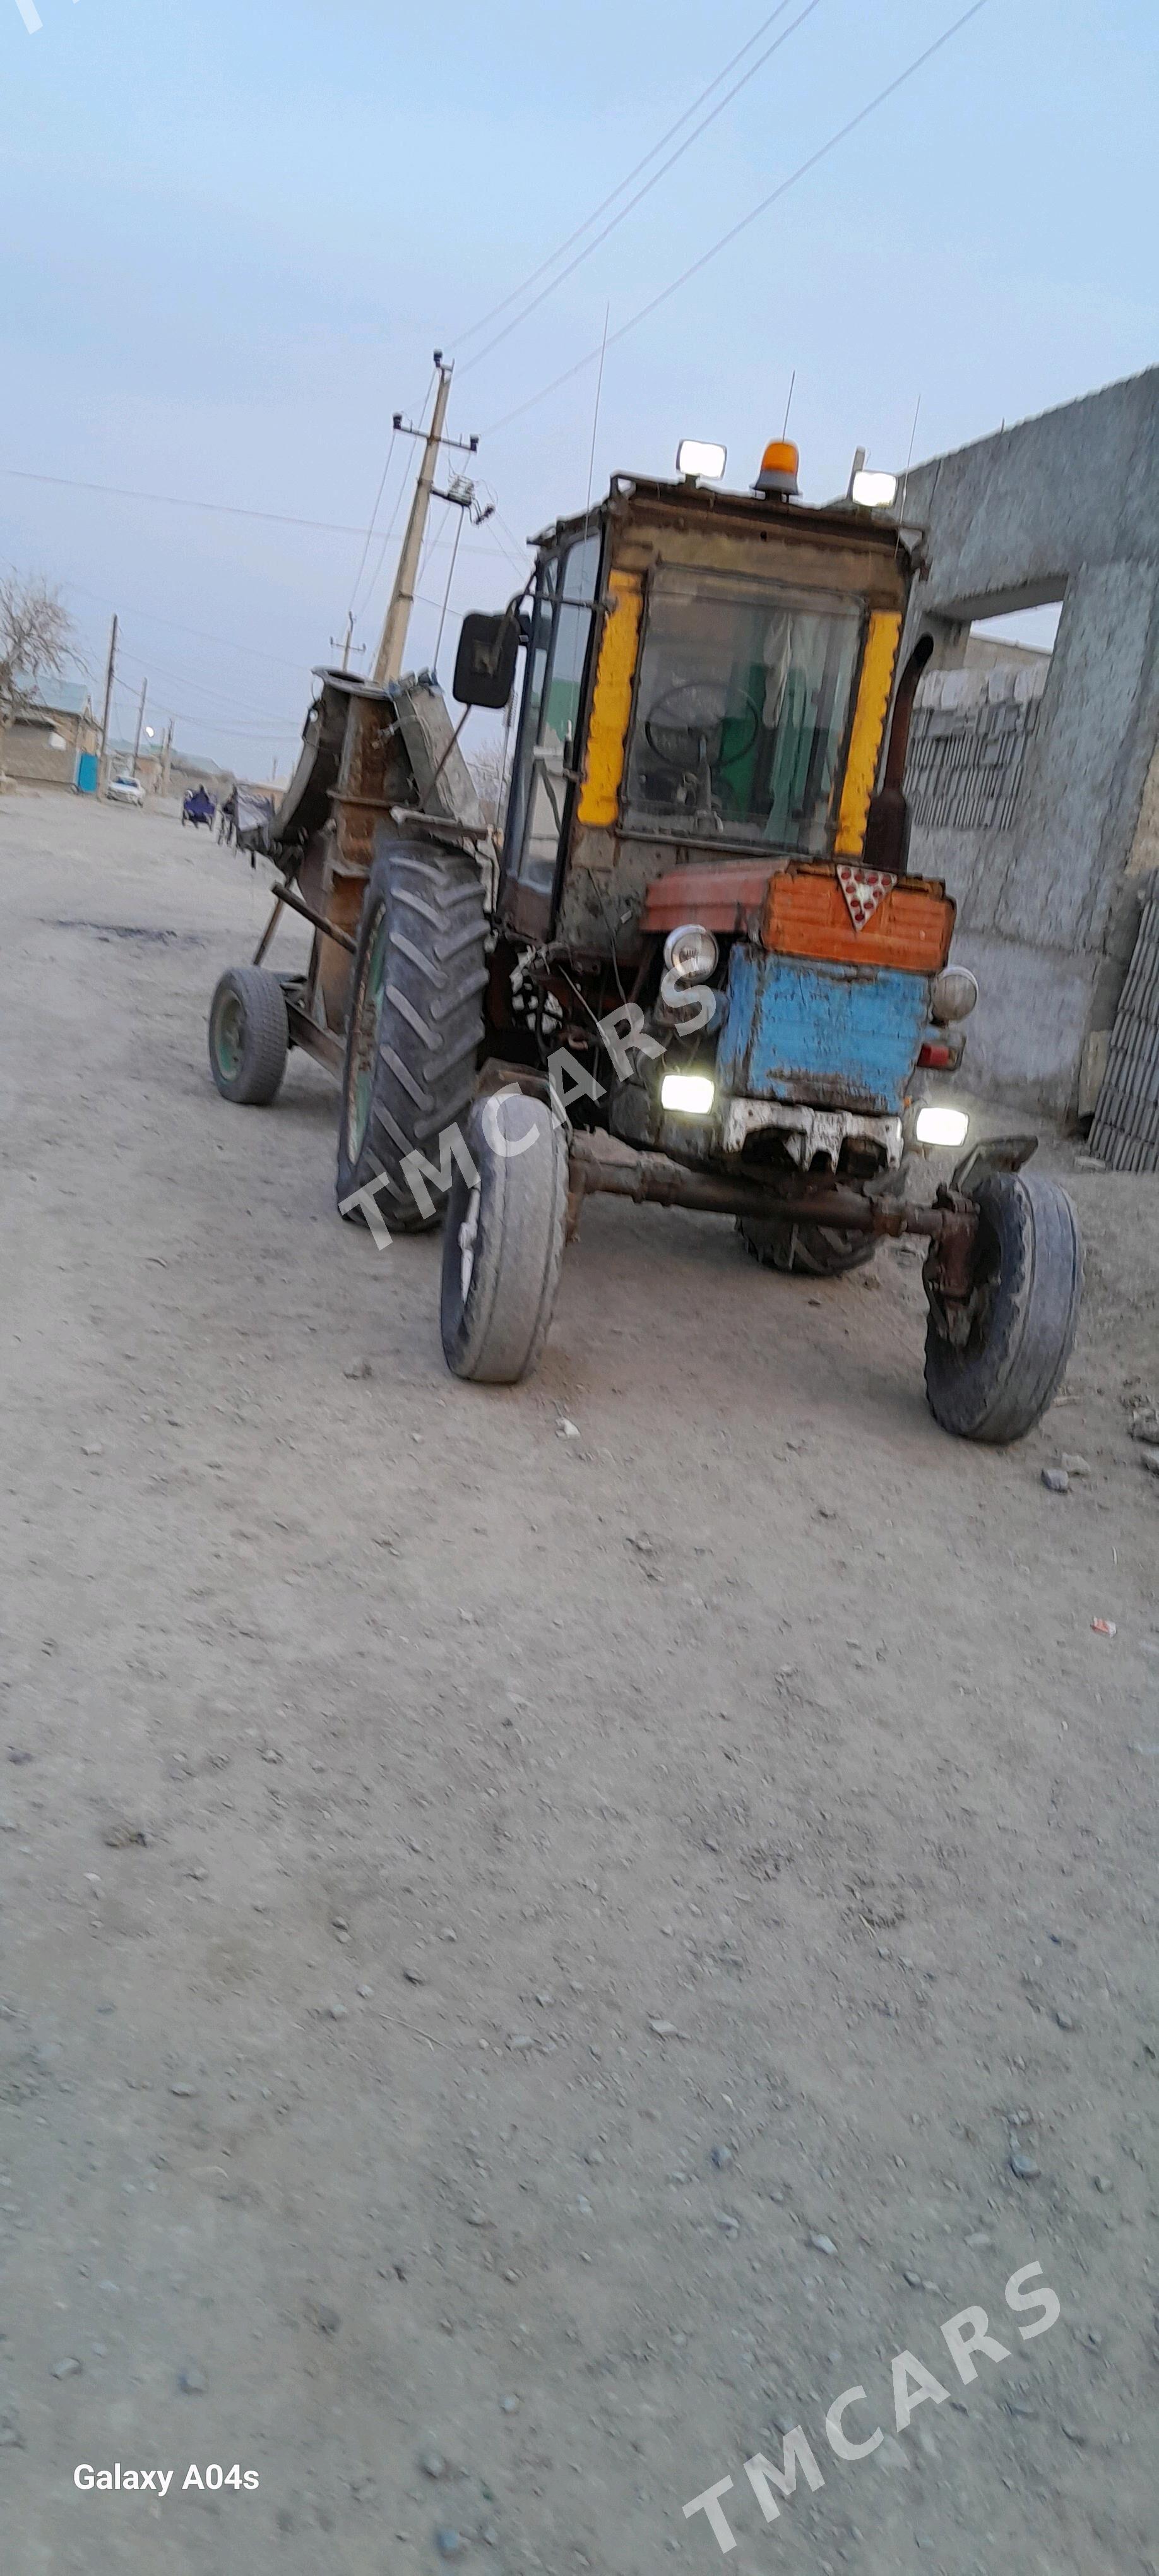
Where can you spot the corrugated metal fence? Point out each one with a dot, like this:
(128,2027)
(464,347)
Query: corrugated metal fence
(1125,1130)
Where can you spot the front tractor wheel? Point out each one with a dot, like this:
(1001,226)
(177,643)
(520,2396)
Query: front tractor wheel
(249,1035)
(813,1251)
(991,1375)
(504,1239)
(415,1024)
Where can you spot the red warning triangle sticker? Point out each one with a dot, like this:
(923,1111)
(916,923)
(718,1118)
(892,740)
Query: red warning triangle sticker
(864,889)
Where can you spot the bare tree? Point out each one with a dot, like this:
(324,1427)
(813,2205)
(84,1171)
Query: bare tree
(37,638)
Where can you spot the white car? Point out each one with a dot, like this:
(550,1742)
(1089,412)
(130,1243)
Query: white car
(125,791)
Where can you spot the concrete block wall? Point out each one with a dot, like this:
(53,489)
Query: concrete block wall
(1062,507)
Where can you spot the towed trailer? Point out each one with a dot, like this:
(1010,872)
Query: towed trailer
(696,969)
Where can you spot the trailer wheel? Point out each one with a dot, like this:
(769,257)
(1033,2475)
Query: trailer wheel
(813,1251)
(249,1035)
(503,1245)
(1026,1297)
(415,1023)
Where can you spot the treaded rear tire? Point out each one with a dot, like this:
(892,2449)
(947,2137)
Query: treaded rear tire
(249,1036)
(409,1069)
(508,1234)
(1030,1250)
(813,1251)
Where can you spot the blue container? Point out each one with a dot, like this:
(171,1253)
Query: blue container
(87,767)
(831,1036)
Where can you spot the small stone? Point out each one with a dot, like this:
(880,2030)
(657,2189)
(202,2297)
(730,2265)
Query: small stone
(980,2242)
(521,2039)
(664,2029)
(191,2381)
(327,2320)
(413,1976)
(450,2544)
(1145,1422)
(358,1368)
(721,2157)
(122,1834)
(432,2463)
(1073,1465)
(566,1430)
(183,2092)
(66,2369)
(914,2279)
(335,2012)
(1149,1458)
(1056,1480)
(1024,2168)
(1103,2182)
(366,1993)
(729,2225)
(17,1756)
(1065,2020)
(825,2245)
(509,2405)
(92,1449)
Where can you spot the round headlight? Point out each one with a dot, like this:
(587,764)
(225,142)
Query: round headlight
(954,994)
(690,952)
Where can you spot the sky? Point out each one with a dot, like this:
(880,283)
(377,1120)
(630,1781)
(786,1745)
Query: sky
(234,236)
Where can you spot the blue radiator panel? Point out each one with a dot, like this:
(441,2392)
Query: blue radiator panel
(834,1036)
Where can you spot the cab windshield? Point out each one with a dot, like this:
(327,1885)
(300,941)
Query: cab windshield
(742,710)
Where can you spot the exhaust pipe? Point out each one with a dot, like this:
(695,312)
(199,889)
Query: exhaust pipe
(887,831)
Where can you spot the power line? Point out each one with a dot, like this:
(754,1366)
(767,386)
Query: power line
(801,171)
(367,540)
(563,247)
(225,643)
(181,501)
(649,184)
(203,688)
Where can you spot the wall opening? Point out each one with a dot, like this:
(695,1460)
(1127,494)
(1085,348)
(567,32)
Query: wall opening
(976,720)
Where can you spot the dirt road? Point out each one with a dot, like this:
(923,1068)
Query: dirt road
(528,1958)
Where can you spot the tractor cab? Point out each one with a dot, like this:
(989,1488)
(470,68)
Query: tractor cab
(706,685)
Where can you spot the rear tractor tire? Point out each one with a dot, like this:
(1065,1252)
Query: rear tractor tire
(249,1036)
(415,1023)
(1027,1293)
(812,1251)
(504,1240)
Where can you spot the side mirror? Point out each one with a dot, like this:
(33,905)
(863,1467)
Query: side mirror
(486,660)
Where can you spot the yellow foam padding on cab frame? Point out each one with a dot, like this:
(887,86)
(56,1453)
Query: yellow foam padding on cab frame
(599,796)
(881,645)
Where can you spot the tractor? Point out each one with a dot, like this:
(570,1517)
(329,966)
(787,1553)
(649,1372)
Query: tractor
(692,967)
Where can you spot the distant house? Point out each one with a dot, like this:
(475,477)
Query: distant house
(54,725)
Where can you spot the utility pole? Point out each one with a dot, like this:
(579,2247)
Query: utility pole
(388,662)
(166,756)
(102,780)
(140,722)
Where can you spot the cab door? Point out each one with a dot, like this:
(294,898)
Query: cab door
(545,773)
